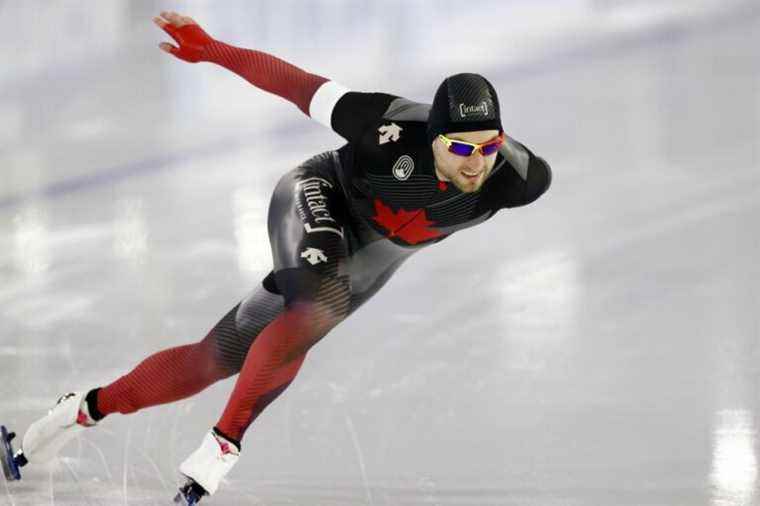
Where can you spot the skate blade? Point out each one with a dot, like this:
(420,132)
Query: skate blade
(180,498)
(189,494)
(9,465)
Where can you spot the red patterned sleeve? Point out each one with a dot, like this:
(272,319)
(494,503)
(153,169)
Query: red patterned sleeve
(315,95)
(267,72)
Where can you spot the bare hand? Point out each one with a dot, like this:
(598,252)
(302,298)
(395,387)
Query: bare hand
(187,33)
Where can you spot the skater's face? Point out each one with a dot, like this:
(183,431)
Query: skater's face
(468,173)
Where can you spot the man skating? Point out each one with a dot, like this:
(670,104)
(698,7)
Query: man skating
(339,224)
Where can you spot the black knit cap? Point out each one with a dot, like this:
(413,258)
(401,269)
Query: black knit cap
(464,103)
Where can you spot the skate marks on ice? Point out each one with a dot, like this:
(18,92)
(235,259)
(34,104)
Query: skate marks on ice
(360,457)
(74,482)
(82,475)
(7,490)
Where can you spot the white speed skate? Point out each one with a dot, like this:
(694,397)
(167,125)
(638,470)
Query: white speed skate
(206,467)
(45,437)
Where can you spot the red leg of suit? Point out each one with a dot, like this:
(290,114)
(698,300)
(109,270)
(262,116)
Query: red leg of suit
(166,376)
(271,365)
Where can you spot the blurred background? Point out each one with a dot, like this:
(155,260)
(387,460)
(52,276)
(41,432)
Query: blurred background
(600,346)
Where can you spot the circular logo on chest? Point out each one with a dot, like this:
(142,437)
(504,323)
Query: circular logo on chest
(403,168)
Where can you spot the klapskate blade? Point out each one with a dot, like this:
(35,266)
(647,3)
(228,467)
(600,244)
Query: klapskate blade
(10,469)
(181,499)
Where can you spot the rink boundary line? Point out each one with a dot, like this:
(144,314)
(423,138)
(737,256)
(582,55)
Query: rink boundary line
(671,32)
(122,172)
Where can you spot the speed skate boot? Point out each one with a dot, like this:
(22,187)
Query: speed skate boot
(45,437)
(206,467)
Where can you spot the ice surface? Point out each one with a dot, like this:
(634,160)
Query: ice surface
(599,347)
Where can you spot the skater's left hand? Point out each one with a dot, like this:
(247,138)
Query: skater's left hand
(187,33)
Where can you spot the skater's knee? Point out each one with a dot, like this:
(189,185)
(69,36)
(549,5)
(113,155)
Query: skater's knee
(315,317)
(326,298)
(321,307)
(308,322)
(310,315)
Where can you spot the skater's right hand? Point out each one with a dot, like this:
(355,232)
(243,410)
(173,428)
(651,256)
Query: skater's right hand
(191,38)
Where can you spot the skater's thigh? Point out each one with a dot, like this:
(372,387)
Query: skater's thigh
(307,231)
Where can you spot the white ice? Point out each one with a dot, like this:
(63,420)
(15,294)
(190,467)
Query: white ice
(598,347)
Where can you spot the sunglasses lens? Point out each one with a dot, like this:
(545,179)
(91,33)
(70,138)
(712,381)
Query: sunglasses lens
(460,149)
(490,149)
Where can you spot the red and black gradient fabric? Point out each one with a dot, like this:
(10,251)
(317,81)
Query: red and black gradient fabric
(339,226)
(182,371)
(258,68)
(387,167)
(317,248)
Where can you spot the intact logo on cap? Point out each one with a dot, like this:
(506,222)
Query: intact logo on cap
(467,111)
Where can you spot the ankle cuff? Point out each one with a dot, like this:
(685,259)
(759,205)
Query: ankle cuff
(92,404)
(228,438)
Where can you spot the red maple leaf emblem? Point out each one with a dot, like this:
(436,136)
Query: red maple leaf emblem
(411,226)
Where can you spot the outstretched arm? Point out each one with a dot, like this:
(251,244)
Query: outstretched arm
(258,68)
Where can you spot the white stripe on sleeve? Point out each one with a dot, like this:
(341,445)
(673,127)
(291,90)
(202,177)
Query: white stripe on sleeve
(324,100)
